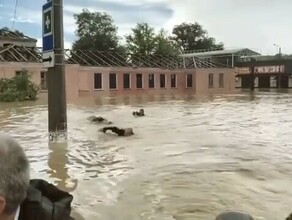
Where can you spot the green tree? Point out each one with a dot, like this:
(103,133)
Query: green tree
(164,45)
(95,31)
(192,36)
(19,88)
(142,40)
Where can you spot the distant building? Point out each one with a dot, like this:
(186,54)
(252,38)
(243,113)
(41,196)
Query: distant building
(108,73)
(8,38)
(269,73)
(224,57)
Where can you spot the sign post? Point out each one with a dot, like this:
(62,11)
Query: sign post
(48,35)
(53,59)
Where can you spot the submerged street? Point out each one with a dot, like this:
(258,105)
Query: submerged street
(190,158)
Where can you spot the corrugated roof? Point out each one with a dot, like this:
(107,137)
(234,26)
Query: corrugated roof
(240,52)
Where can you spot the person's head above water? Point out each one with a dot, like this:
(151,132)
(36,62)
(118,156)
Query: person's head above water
(129,131)
(14,177)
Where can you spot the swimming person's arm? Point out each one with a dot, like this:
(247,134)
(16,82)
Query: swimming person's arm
(116,130)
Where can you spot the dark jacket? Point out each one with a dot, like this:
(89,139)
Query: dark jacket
(45,201)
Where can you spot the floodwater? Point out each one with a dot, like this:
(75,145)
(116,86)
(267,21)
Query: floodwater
(191,157)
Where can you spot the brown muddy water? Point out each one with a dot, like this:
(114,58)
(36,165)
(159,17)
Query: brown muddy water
(191,157)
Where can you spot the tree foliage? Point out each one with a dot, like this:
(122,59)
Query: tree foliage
(18,88)
(164,44)
(95,31)
(144,40)
(192,36)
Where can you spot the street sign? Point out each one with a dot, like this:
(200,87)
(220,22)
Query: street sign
(49,59)
(48,35)
(48,27)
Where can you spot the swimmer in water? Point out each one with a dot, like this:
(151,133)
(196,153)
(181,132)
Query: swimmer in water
(139,113)
(99,120)
(118,131)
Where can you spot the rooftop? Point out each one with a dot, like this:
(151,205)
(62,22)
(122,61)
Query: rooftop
(5,33)
(13,53)
(212,53)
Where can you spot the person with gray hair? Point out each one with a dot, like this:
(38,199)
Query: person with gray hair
(14,177)
(22,198)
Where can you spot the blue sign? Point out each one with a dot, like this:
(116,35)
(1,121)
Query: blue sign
(48,27)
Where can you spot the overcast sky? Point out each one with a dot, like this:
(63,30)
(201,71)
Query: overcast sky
(256,24)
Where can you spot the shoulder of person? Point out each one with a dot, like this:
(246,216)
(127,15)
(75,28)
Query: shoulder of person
(45,201)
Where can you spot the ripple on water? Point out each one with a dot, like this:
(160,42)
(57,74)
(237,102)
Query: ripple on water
(189,159)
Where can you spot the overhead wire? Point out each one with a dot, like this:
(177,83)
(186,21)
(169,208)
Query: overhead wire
(14,16)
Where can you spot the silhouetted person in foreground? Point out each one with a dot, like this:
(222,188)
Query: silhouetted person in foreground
(139,113)
(99,120)
(118,131)
(25,199)
(234,215)
(231,215)
(289,217)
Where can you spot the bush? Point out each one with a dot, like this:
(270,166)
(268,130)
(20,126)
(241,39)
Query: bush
(19,88)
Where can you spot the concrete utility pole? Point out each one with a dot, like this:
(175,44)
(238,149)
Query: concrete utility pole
(279,50)
(53,58)
(252,74)
(280,55)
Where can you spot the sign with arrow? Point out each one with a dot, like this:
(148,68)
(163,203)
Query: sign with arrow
(49,59)
(48,35)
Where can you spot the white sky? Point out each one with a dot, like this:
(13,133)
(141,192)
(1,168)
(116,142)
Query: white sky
(256,24)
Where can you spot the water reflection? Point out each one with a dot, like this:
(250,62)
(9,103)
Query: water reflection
(58,163)
(191,157)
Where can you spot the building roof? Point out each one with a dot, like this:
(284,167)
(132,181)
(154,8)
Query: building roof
(5,33)
(13,53)
(164,61)
(237,52)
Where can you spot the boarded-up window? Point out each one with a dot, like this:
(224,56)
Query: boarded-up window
(112,81)
(221,80)
(173,80)
(162,80)
(139,81)
(18,73)
(151,81)
(44,85)
(211,80)
(189,80)
(97,81)
(126,79)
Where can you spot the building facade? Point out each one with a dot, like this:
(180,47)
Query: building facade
(107,73)
(95,81)
(275,73)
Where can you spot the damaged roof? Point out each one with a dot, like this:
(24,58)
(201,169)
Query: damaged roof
(214,53)
(14,53)
(6,33)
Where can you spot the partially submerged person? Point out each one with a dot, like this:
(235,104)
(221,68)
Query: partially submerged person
(99,119)
(25,199)
(139,113)
(118,131)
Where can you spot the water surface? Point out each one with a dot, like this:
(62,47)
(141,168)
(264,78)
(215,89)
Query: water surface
(191,157)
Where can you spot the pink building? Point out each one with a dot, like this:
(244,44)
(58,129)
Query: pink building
(95,73)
